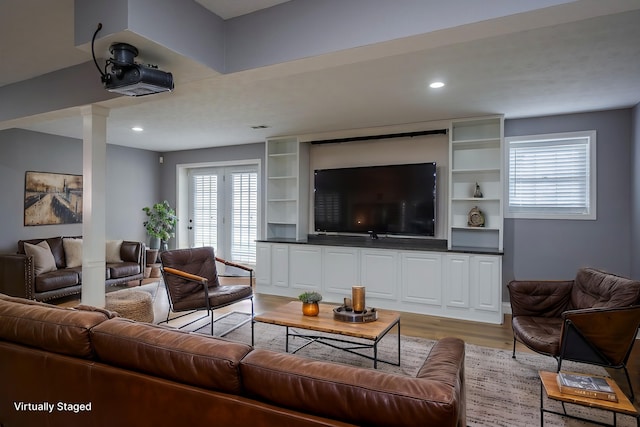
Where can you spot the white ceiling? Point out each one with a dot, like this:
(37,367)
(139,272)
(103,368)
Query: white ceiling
(495,67)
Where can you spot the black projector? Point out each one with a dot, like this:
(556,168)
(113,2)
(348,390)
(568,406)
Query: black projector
(131,79)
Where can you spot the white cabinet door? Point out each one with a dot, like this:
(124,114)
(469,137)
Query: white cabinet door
(263,264)
(341,269)
(456,280)
(486,282)
(280,265)
(379,273)
(305,267)
(421,277)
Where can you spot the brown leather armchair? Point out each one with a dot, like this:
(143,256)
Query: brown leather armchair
(592,319)
(192,283)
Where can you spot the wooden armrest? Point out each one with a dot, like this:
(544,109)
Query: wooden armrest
(184,274)
(233,264)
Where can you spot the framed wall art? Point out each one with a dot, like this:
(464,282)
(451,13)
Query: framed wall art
(52,198)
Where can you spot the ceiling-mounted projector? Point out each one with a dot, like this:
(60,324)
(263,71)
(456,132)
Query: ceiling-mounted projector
(122,75)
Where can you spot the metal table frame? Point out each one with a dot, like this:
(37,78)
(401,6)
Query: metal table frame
(350,345)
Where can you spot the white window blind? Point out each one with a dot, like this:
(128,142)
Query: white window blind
(205,210)
(551,176)
(244,227)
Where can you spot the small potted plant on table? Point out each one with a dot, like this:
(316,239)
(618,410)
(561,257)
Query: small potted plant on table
(310,303)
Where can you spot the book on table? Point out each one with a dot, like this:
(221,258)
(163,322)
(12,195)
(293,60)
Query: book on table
(586,386)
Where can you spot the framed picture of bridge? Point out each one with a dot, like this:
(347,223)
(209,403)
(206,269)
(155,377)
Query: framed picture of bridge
(52,198)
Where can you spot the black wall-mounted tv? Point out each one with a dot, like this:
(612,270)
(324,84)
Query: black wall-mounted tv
(393,199)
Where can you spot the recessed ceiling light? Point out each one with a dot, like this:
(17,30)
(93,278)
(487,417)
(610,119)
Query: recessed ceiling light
(137,129)
(436,85)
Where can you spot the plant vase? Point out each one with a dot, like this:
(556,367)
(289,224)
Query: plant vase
(310,308)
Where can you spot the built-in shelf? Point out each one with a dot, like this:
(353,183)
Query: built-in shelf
(475,158)
(287,188)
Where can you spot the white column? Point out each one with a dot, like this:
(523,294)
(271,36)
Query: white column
(94,159)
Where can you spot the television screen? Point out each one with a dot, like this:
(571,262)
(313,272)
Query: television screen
(393,199)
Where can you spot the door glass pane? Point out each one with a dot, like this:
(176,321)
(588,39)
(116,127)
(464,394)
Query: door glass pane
(205,210)
(244,223)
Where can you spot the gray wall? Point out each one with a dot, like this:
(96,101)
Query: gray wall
(635,192)
(555,249)
(133,178)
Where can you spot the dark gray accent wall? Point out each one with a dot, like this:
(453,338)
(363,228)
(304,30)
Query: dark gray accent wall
(555,249)
(635,192)
(133,178)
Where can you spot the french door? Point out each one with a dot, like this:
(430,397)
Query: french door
(223,209)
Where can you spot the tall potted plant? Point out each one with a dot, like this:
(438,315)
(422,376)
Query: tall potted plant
(160,224)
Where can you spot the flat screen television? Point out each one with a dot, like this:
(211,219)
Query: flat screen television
(392,199)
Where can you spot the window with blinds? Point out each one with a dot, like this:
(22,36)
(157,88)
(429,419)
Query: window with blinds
(551,176)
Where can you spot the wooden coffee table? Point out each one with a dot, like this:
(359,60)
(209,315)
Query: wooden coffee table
(290,316)
(549,384)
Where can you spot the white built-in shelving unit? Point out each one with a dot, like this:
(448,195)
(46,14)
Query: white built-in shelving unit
(475,156)
(287,165)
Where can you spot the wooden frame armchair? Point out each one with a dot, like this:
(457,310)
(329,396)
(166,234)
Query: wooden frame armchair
(192,283)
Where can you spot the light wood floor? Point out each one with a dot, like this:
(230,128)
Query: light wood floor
(417,325)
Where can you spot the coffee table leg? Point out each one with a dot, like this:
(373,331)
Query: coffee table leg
(398,342)
(286,340)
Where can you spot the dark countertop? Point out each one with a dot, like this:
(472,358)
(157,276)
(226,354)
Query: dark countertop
(435,245)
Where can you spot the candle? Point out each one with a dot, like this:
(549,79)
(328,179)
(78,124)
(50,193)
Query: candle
(357,298)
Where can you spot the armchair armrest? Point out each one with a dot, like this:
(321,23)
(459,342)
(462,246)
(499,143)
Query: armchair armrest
(185,275)
(17,275)
(234,264)
(547,298)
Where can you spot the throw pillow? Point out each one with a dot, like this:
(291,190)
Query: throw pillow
(43,260)
(73,252)
(113,251)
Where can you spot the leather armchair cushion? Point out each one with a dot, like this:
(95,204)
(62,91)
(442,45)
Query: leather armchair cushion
(541,334)
(594,288)
(539,298)
(198,360)
(56,329)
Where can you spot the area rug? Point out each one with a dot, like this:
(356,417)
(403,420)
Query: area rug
(501,391)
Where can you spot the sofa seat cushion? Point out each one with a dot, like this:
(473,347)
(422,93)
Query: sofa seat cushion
(56,280)
(539,333)
(47,327)
(594,288)
(122,269)
(347,393)
(194,359)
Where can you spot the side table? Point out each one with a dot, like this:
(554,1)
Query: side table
(152,268)
(549,385)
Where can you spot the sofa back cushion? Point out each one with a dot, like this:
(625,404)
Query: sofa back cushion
(47,327)
(55,244)
(350,394)
(194,359)
(594,288)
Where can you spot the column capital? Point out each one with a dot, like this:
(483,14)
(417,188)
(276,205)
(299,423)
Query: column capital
(94,110)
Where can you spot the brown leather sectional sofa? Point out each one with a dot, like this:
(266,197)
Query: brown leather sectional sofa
(72,367)
(18,276)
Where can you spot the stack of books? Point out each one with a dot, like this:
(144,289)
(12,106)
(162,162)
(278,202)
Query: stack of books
(586,386)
